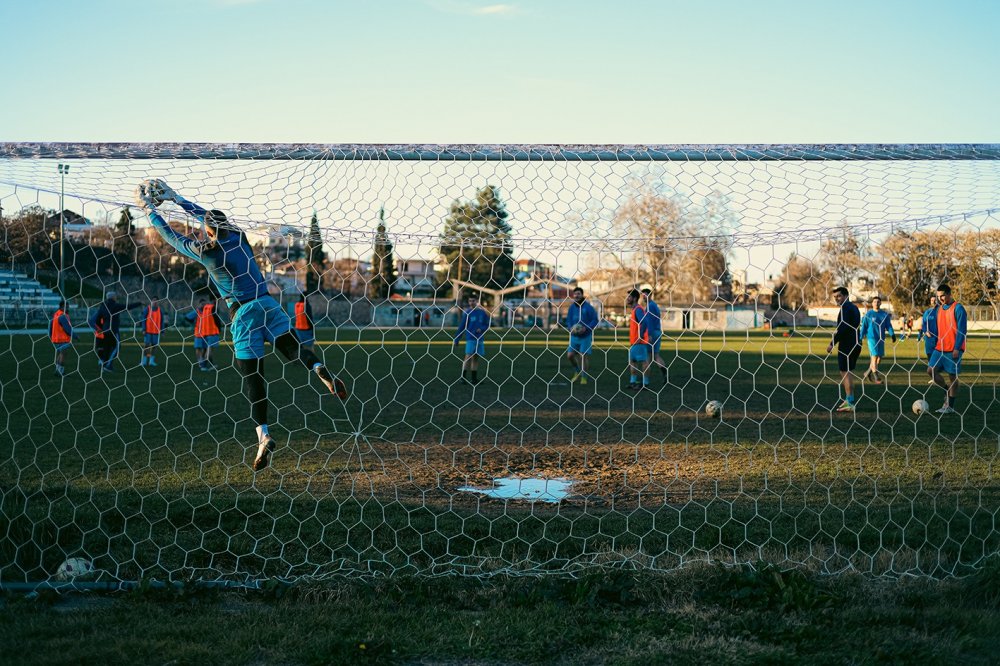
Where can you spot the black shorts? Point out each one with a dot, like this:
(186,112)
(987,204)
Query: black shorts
(847,360)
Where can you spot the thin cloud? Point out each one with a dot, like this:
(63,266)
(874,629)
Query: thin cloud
(471,8)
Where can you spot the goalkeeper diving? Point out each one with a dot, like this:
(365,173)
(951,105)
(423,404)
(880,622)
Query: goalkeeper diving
(256,317)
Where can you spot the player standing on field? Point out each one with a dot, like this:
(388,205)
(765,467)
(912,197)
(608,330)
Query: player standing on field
(952,326)
(848,342)
(654,323)
(638,337)
(152,326)
(581,320)
(107,329)
(876,324)
(302,319)
(928,332)
(62,336)
(207,332)
(474,323)
(256,317)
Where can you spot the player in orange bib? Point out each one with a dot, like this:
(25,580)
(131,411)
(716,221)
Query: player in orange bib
(153,324)
(62,336)
(951,322)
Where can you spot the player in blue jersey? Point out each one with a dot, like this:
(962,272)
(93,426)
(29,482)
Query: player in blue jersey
(581,320)
(654,324)
(928,333)
(473,324)
(875,326)
(257,318)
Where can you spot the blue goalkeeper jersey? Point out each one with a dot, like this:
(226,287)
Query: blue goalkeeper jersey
(928,329)
(583,313)
(877,326)
(228,260)
(473,325)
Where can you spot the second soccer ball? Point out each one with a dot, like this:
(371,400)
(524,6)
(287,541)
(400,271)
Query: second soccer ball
(713,409)
(920,407)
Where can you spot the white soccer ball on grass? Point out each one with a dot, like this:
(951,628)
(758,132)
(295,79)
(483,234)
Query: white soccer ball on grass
(75,568)
(921,406)
(713,409)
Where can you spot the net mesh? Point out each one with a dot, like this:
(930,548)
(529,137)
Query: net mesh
(725,446)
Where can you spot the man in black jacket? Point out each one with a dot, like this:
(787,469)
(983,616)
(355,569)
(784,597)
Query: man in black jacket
(847,338)
(106,325)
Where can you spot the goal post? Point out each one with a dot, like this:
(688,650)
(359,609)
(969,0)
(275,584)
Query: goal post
(683,408)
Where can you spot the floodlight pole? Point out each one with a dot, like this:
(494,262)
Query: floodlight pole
(63,170)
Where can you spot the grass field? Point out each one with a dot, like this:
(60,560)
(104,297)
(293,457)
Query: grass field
(146,471)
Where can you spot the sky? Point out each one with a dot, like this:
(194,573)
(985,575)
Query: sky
(481,72)
(524,71)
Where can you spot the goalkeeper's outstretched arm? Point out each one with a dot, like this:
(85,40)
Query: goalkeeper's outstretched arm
(186,245)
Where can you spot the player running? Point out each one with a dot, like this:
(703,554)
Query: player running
(951,321)
(256,317)
(581,320)
(474,323)
(848,342)
(62,336)
(876,324)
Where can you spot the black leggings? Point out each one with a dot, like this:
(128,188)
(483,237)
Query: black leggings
(253,373)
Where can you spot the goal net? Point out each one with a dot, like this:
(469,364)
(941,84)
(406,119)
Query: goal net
(690,411)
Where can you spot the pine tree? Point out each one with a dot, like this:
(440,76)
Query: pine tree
(124,244)
(316,256)
(383,263)
(477,241)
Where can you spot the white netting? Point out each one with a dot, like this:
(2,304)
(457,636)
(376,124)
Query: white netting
(519,467)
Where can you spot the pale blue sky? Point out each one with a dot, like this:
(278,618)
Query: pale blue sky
(552,71)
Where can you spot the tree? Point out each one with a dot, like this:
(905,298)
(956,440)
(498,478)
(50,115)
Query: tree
(477,241)
(844,256)
(383,271)
(978,272)
(27,239)
(801,283)
(316,256)
(123,245)
(708,269)
(913,264)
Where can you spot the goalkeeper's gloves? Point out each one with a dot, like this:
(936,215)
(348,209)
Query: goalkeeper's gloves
(167,193)
(143,197)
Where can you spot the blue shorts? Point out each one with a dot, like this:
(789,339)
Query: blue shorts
(581,344)
(943,362)
(206,342)
(639,352)
(475,347)
(151,339)
(876,347)
(306,337)
(62,346)
(255,323)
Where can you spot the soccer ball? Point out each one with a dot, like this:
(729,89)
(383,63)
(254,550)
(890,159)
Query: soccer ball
(75,568)
(578,330)
(920,406)
(713,409)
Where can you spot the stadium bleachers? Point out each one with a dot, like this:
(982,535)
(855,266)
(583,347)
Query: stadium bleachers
(24,301)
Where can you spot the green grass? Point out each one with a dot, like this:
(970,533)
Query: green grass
(700,614)
(146,471)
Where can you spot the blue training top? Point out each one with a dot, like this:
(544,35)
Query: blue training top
(474,324)
(877,325)
(654,319)
(928,329)
(585,314)
(228,259)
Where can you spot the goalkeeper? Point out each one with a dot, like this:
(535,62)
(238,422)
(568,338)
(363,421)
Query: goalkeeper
(256,317)
(581,320)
